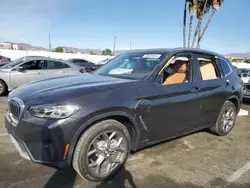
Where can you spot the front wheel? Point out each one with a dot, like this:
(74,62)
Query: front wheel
(101,150)
(226,119)
(3,88)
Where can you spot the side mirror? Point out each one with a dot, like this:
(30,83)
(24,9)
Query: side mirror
(19,69)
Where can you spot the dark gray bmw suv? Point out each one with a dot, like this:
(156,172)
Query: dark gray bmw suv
(91,122)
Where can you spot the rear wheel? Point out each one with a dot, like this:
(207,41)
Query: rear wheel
(3,88)
(226,119)
(101,150)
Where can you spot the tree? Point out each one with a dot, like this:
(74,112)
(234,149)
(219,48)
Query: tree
(107,52)
(202,9)
(92,53)
(193,6)
(216,5)
(59,49)
(184,24)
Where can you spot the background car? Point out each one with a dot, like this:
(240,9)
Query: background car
(245,75)
(32,68)
(4,60)
(88,65)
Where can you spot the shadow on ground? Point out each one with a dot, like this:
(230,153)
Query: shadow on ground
(246,101)
(164,182)
(119,180)
(123,179)
(62,179)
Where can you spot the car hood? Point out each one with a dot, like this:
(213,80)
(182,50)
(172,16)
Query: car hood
(66,86)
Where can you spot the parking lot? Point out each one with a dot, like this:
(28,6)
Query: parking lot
(197,160)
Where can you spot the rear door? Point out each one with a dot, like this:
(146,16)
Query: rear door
(214,87)
(32,71)
(55,68)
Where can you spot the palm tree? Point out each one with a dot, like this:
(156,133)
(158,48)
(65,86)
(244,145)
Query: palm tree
(216,5)
(184,24)
(203,8)
(193,5)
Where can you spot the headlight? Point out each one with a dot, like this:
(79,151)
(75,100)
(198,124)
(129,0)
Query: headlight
(53,111)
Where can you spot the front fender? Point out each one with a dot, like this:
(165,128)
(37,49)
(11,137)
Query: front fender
(95,118)
(4,76)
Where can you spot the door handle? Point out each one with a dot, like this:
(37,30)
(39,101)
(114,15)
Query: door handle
(39,73)
(195,89)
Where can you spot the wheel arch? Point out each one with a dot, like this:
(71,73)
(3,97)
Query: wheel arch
(123,117)
(236,101)
(7,87)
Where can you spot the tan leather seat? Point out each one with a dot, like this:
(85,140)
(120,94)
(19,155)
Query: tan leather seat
(207,71)
(179,75)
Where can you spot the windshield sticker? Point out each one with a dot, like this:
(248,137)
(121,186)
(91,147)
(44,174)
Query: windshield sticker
(152,56)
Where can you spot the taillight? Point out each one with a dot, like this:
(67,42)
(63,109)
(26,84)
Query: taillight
(242,83)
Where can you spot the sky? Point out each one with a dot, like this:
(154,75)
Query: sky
(94,23)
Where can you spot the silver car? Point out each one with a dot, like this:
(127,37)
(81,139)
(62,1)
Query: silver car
(32,68)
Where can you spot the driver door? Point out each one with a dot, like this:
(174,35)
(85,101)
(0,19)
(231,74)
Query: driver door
(31,71)
(173,108)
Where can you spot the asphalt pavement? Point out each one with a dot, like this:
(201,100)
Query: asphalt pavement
(194,161)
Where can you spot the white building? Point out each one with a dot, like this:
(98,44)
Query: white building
(5,45)
(14,46)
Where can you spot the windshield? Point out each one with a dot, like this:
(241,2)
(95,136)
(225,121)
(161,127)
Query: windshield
(13,63)
(133,65)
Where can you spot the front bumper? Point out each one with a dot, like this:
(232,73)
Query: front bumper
(246,93)
(20,148)
(40,143)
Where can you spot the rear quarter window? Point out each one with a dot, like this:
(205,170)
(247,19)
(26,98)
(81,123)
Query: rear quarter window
(226,68)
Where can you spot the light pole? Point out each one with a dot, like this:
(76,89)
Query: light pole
(49,43)
(130,45)
(114,45)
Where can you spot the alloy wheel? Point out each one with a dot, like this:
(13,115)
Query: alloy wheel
(1,88)
(228,118)
(105,153)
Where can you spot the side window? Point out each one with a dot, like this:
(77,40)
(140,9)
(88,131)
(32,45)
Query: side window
(208,67)
(225,67)
(55,65)
(178,70)
(66,66)
(81,62)
(33,65)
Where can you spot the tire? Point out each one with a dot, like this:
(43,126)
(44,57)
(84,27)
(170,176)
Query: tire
(93,139)
(221,128)
(3,88)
